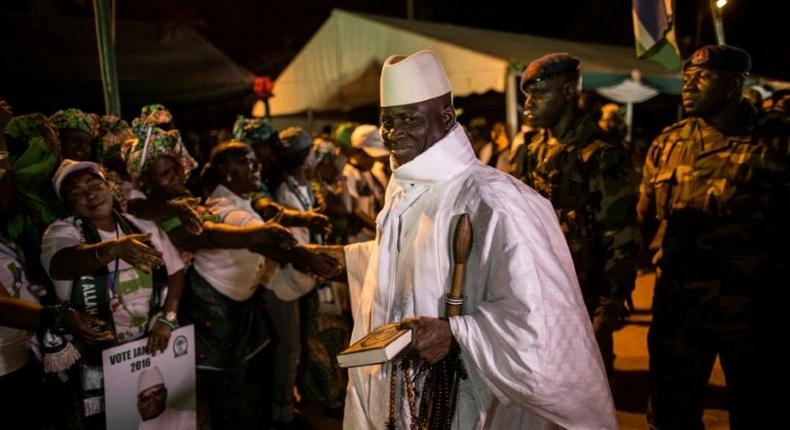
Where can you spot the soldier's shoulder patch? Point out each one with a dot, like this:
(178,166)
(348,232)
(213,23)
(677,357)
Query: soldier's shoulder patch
(681,129)
(676,126)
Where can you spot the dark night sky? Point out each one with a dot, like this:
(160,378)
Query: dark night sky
(264,35)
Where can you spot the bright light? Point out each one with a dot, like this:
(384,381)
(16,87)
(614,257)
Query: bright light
(721,3)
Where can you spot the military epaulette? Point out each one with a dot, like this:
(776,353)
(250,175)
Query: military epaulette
(684,127)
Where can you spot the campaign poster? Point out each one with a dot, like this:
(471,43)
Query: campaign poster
(151,392)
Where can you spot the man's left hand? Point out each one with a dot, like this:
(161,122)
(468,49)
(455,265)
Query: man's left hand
(158,338)
(431,338)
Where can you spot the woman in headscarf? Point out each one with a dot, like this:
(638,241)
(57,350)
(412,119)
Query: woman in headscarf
(149,143)
(106,263)
(163,179)
(287,286)
(76,130)
(223,298)
(115,138)
(28,201)
(264,141)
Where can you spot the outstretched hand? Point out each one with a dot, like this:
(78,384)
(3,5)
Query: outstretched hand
(318,223)
(184,210)
(133,250)
(431,338)
(277,236)
(307,259)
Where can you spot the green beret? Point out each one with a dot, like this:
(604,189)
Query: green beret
(342,134)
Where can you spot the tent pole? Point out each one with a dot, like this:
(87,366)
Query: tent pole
(105,39)
(718,23)
(511,103)
(629,120)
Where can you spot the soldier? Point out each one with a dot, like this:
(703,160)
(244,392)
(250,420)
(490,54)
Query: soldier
(574,163)
(714,198)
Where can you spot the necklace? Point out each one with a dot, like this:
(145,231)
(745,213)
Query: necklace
(112,280)
(419,419)
(306,202)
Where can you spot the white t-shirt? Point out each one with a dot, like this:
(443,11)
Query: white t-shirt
(14,351)
(132,286)
(235,273)
(171,419)
(288,283)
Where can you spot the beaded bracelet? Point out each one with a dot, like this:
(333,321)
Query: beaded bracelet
(164,321)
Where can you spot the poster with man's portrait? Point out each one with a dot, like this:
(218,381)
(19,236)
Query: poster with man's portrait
(151,392)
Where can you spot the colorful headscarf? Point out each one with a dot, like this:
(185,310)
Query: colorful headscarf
(116,137)
(155,114)
(152,143)
(251,130)
(76,119)
(32,170)
(161,144)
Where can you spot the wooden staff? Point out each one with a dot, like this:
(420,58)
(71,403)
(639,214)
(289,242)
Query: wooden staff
(447,373)
(462,246)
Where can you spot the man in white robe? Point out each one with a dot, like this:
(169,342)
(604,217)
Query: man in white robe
(152,405)
(525,338)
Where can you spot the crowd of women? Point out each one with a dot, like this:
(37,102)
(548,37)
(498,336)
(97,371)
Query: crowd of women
(111,232)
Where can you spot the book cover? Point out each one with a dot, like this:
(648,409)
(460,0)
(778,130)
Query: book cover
(378,346)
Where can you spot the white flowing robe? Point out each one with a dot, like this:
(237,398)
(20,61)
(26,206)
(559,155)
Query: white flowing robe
(526,340)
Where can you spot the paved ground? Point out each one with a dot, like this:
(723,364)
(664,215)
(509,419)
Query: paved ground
(630,391)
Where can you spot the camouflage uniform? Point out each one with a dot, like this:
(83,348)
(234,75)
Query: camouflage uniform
(588,181)
(718,202)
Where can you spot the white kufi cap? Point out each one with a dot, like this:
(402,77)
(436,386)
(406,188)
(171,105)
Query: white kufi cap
(412,79)
(150,377)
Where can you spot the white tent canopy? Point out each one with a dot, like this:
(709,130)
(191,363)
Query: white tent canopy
(339,67)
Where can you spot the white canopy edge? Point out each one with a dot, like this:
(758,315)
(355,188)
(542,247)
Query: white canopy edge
(339,67)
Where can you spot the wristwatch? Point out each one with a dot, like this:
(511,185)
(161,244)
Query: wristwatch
(171,317)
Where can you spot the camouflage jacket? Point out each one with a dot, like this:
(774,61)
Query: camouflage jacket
(588,181)
(711,198)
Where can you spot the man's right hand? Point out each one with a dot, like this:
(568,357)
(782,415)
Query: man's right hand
(87,328)
(133,250)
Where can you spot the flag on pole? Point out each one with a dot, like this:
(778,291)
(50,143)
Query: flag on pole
(654,31)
